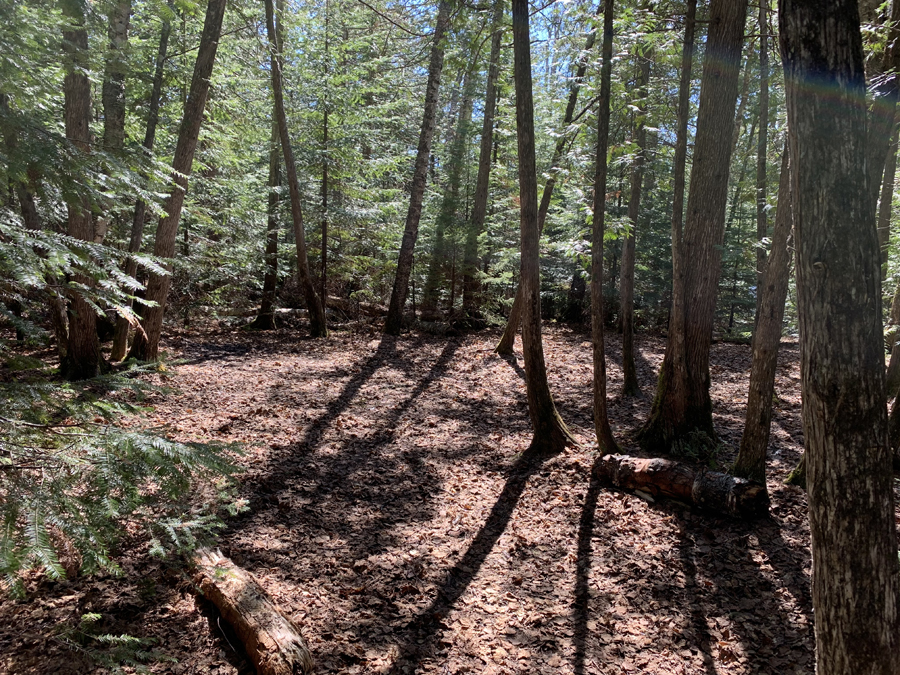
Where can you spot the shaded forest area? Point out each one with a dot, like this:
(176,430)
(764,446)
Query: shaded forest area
(263,268)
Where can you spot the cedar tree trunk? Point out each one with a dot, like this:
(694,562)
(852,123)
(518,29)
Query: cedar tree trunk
(471,281)
(605,441)
(550,432)
(849,481)
(146,346)
(317,325)
(83,358)
(394,321)
(630,386)
(120,336)
(514,320)
(751,459)
(682,410)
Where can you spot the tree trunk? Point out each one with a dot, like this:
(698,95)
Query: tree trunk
(886,203)
(711,491)
(762,147)
(120,336)
(265,318)
(550,432)
(682,410)
(83,358)
(849,481)
(514,320)
(885,93)
(751,459)
(892,379)
(317,325)
(630,386)
(605,441)
(471,280)
(271,640)
(394,321)
(114,77)
(447,215)
(146,345)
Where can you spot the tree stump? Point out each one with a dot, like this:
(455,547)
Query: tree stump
(709,490)
(270,639)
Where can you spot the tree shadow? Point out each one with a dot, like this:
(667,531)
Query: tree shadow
(581,604)
(423,628)
(513,361)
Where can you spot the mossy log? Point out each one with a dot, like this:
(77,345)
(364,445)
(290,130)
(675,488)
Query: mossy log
(270,639)
(709,490)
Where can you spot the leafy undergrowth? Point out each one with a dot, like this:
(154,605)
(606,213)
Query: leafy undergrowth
(397,517)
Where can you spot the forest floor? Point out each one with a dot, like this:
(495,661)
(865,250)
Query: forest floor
(396,517)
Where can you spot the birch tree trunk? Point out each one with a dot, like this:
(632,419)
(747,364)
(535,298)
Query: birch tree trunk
(849,481)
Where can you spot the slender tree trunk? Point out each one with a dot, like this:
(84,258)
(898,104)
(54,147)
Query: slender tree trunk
(83,358)
(394,321)
(762,147)
(550,432)
(114,77)
(886,91)
(892,379)
(146,345)
(471,280)
(886,203)
(317,325)
(265,318)
(605,441)
(751,459)
(630,386)
(449,210)
(514,320)
(682,409)
(323,281)
(849,481)
(120,336)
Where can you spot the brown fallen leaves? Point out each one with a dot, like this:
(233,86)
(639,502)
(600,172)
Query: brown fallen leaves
(397,517)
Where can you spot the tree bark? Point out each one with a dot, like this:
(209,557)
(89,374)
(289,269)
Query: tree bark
(892,379)
(630,386)
(317,325)
(471,281)
(711,491)
(146,345)
(885,93)
(265,318)
(83,359)
(762,148)
(114,77)
(550,432)
(751,459)
(682,410)
(271,640)
(514,320)
(394,321)
(605,441)
(886,203)
(849,481)
(120,336)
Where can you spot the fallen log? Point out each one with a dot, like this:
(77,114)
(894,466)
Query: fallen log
(709,490)
(270,639)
